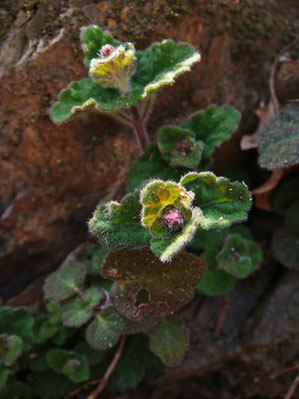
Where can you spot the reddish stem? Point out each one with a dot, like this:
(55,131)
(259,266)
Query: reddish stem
(140,133)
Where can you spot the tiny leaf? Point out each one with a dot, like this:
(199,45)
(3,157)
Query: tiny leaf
(11,347)
(65,282)
(215,281)
(239,257)
(156,289)
(70,363)
(93,296)
(212,126)
(75,313)
(17,322)
(169,340)
(104,331)
(279,142)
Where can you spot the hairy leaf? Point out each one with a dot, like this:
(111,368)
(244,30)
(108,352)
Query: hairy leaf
(221,201)
(17,322)
(93,356)
(70,363)
(4,373)
(75,313)
(98,254)
(160,64)
(212,126)
(215,281)
(11,347)
(179,147)
(278,145)
(156,289)
(239,257)
(169,340)
(119,224)
(104,331)
(65,282)
(43,329)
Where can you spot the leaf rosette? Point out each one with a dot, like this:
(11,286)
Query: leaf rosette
(179,147)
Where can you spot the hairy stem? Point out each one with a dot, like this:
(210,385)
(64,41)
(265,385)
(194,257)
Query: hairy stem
(140,132)
(105,379)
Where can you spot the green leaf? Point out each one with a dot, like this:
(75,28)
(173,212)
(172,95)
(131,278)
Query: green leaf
(149,166)
(93,356)
(169,340)
(11,347)
(239,257)
(75,313)
(4,373)
(119,224)
(37,359)
(49,385)
(93,38)
(104,331)
(160,64)
(43,329)
(213,126)
(83,95)
(17,390)
(156,290)
(70,363)
(65,282)
(221,201)
(278,145)
(215,281)
(93,296)
(204,239)
(179,148)
(17,322)
(285,247)
(138,326)
(54,309)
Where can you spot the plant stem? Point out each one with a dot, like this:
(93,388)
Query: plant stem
(140,132)
(292,389)
(105,379)
(221,315)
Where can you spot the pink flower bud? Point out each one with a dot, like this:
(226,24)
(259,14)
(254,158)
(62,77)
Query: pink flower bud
(107,50)
(184,147)
(172,219)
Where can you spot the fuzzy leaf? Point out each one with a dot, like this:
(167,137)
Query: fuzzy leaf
(139,326)
(169,340)
(215,281)
(75,313)
(285,247)
(239,257)
(65,282)
(160,64)
(221,201)
(156,290)
(70,363)
(151,165)
(17,322)
(4,373)
(179,147)
(119,224)
(93,296)
(86,94)
(278,145)
(213,126)
(11,347)
(43,329)
(104,331)
(93,38)
(167,247)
